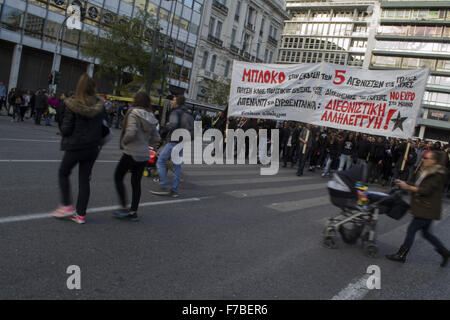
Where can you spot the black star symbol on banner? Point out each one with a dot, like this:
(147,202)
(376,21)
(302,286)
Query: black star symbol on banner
(399,122)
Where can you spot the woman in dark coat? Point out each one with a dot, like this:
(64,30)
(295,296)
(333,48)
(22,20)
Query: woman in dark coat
(426,206)
(82,137)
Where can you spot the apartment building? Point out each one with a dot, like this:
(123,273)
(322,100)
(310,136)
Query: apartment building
(340,32)
(28,32)
(247,30)
(413,34)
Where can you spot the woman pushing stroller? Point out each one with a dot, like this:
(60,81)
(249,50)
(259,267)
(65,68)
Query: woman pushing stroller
(426,206)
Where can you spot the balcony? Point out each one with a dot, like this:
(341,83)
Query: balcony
(272,41)
(220,7)
(250,27)
(215,40)
(247,55)
(234,49)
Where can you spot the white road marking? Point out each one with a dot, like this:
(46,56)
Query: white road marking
(354,291)
(248,181)
(288,206)
(275,191)
(36,216)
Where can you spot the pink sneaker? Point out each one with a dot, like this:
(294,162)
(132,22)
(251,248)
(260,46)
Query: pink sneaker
(78,219)
(63,212)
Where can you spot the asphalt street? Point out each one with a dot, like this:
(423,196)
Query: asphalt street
(232,234)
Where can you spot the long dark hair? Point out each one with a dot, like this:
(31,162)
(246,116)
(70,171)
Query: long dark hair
(141,99)
(85,88)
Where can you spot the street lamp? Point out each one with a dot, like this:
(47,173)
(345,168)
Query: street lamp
(52,86)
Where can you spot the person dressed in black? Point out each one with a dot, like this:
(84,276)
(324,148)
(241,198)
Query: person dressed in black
(304,149)
(138,132)
(40,105)
(82,137)
(288,144)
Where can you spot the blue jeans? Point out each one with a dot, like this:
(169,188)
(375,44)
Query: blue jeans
(424,225)
(346,160)
(328,162)
(365,169)
(162,169)
(48,120)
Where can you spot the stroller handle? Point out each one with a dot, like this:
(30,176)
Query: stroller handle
(394,194)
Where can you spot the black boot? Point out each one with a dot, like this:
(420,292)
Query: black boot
(400,256)
(445,255)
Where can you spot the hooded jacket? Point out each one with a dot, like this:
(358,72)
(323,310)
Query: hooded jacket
(426,203)
(81,127)
(139,131)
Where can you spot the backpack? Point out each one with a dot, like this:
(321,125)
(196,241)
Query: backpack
(186,121)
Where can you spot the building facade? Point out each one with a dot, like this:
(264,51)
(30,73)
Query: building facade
(378,35)
(28,32)
(247,30)
(340,32)
(413,34)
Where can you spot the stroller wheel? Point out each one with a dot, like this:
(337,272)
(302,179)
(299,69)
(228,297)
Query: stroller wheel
(371,250)
(330,242)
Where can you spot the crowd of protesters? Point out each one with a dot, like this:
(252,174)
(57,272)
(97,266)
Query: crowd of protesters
(303,146)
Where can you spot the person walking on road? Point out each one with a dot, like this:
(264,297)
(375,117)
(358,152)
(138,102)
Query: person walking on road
(426,206)
(138,131)
(40,104)
(179,118)
(82,136)
(3,97)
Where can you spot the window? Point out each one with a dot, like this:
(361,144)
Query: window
(212,22)
(233,36)
(238,9)
(51,30)
(213,63)
(218,29)
(185,74)
(12,18)
(34,26)
(443,65)
(205,60)
(261,31)
(386,61)
(227,68)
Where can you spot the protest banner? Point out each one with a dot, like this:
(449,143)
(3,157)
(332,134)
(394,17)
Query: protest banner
(377,102)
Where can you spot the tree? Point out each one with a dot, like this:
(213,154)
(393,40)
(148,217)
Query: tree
(218,92)
(124,48)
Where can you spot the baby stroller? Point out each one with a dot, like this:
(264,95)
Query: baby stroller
(357,221)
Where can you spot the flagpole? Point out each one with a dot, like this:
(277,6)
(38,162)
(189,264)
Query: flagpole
(406,155)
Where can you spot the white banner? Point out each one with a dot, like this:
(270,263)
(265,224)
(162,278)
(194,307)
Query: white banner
(376,102)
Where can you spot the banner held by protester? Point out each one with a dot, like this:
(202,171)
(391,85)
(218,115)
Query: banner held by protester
(375,102)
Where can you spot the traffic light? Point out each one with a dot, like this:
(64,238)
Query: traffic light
(50,78)
(57,77)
